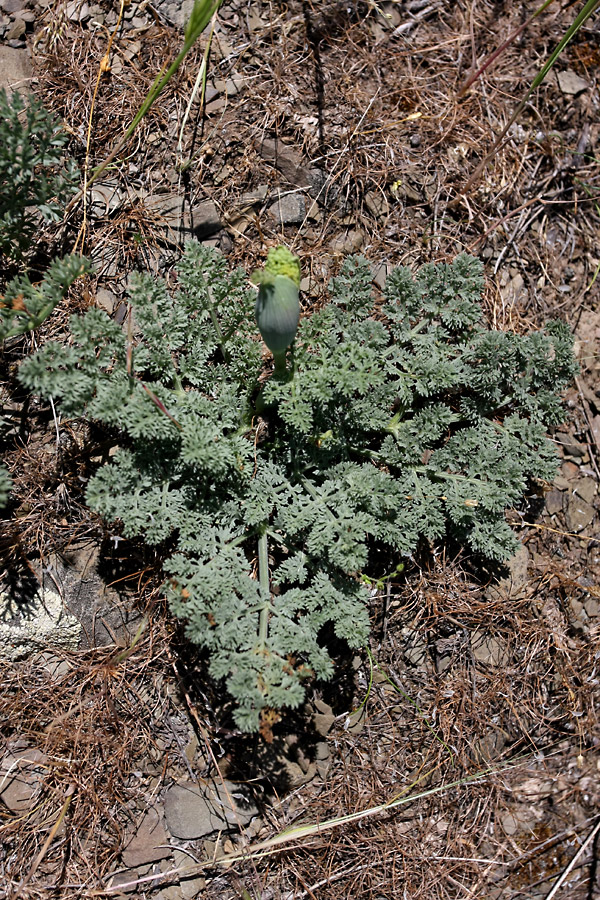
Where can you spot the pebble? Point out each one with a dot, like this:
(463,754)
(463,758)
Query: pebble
(579,514)
(77,12)
(147,842)
(554,502)
(11,6)
(16,30)
(290,209)
(193,811)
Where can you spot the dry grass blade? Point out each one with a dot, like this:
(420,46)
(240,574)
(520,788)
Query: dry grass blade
(580,20)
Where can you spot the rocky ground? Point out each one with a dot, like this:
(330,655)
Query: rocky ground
(464,747)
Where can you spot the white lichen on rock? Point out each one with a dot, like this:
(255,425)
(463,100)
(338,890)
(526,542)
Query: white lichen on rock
(40,622)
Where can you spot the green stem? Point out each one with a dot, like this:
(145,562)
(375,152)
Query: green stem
(265,584)
(202,13)
(280,364)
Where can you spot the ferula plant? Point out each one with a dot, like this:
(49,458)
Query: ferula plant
(35,182)
(391,421)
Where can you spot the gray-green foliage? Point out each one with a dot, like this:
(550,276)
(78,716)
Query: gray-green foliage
(34,183)
(5,486)
(34,178)
(25,305)
(404,420)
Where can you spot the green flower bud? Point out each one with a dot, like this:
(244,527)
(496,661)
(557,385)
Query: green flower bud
(278,312)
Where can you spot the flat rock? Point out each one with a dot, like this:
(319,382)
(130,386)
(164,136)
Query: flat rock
(193,811)
(16,30)
(489,649)
(12,7)
(592,607)
(21,773)
(522,819)
(15,69)
(570,82)
(32,618)
(190,886)
(348,243)
(579,514)
(204,220)
(148,842)
(554,502)
(105,197)
(517,578)
(570,445)
(377,204)
(585,488)
(179,12)
(105,618)
(290,209)
(77,11)
(286,160)
(324,718)
(106,300)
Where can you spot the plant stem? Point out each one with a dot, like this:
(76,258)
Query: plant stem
(280,364)
(265,583)
(202,13)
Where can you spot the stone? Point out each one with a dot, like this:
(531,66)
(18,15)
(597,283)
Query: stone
(286,160)
(377,204)
(57,667)
(592,607)
(322,759)
(348,243)
(380,273)
(491,745)
(179,13)
(414,648)
(21,773)
(12,6)
(204,220)
(105,197)
(522,819)
(192,885)
(16,30)
(517,577)
(105,618)
(106,300)
(296,776)
(289,209)
(489,649)
(570,82)
(231,86)
(33,618)
(570,445)
(76,11)
(193,811)
(15,69)
(579,514)
(324,718)
(514,290)
(356,721)
(585,488)
(147,843)
(554,502)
